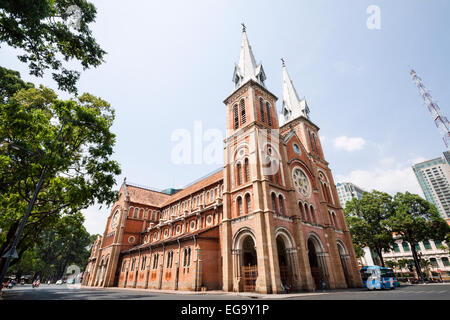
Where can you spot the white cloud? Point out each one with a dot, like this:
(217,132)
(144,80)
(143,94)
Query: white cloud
(348,143)
(389,176)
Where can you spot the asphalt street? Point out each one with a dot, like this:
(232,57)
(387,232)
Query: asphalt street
(71,292)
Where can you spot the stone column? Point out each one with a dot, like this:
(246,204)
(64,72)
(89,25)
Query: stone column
(237,275)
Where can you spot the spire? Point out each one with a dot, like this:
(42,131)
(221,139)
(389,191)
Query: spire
(293,106)
(247,68)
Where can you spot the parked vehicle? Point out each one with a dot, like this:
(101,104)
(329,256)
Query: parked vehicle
(376,277)
(59,281)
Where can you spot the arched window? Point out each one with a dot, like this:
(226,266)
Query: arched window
(239,173)
(261,109)
(239,204)
(187,259)
(314,141)
(133,262)
(169,259)
(155,261)
(144,260)
(405,246)
(396,247)
(310,140)
(302,212)
(333,217)
(269,118)
(313,216)
(242,111)
(136,212)
(236,116)
(274,202)
(247,170)
(280,200)
(306,212)
(248,203)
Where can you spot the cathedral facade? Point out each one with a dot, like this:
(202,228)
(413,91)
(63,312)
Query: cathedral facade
(270,219)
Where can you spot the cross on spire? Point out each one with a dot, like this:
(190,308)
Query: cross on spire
(282,62)
(243,27)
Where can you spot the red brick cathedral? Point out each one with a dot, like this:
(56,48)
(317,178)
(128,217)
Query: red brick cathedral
(271,218)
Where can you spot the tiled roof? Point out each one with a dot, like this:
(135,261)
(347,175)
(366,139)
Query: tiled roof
(146,196)
(158,199)
(207,181)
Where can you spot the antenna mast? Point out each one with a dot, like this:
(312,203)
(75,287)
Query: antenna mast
(440,120)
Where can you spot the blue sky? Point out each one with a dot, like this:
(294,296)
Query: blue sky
(170,63)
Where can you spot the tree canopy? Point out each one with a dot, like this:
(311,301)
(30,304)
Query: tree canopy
(414,220)
(51,33)
(66,243)
(79,168)
(367,221)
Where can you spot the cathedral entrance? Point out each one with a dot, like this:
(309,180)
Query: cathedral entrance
(317,263)
(249,264)
(344,261)
(284,263)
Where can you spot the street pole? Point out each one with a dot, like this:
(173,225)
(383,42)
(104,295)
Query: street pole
(12,253)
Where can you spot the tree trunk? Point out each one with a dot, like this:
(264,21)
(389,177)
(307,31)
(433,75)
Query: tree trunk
(416,260)
(380,254)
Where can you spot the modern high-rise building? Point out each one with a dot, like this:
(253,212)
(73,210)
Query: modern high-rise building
(434,177)
(347,191)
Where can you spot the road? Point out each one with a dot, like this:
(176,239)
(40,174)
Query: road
(68,292)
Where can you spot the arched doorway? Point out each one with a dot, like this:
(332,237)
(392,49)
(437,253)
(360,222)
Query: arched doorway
(344,261)
(284,262)
(317,262)
(249,264)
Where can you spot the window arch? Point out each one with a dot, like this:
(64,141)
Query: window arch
(169,259)
(144,260)
(306,212)
(155,261)
(280,201)
(405,246)
(239,206)
(261,110)
(247,170)
(236,116)
(313,215)
(274,202)
(302,212)
(187,259)
(239,173)
(269,118)
(242,111)
(248,203)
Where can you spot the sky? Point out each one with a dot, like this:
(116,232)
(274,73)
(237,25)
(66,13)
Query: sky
(169,66)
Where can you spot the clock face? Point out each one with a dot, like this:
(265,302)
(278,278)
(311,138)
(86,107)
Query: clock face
(301,182)
(115,220)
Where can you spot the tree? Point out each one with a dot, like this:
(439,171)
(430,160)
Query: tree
(64,244)
(415,220)
(10,83)
(391,264)
(50,32)
(366,219)
(79,171)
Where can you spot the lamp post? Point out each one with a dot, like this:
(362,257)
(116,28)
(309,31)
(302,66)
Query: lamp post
(12,252)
